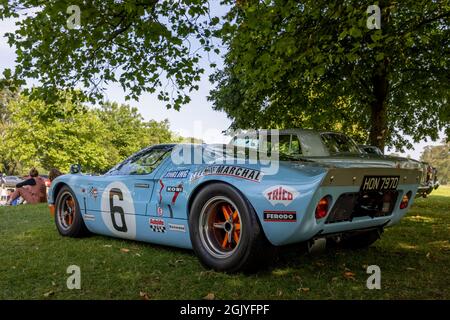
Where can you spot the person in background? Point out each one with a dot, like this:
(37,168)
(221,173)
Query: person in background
(32,190)
(2,180)
(53,174)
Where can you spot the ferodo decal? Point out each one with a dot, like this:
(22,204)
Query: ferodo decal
(118,210)
(280,216)
(177,227)
(280,194)
(157,225)
(228,170)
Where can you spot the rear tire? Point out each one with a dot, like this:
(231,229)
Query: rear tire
(68,219)
(225,232)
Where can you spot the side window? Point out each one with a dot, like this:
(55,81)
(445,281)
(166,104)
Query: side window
(142,163)
(289,144)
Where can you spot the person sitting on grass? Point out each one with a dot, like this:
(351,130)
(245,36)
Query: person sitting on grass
(31,190)
(53,174)
(16,202)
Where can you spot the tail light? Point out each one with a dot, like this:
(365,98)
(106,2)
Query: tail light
(405,200)
(322,207)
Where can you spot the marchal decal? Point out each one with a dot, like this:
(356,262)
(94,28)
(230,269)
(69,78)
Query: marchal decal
(280,194)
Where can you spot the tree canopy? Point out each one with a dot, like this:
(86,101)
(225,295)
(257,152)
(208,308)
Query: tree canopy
(289,63)
(145,46)
(316,64)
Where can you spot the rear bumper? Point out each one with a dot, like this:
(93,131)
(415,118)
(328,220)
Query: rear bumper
(339,181)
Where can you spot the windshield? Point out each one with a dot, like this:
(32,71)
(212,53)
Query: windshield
(142,163)
(301,144)
(338,143)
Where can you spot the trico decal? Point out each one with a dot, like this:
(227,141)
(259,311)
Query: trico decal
(280,194)
(227,170)
(177,174)
(157,225)
(177,227)
(174,189)
(280,216)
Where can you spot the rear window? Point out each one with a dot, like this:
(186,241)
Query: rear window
(339,143)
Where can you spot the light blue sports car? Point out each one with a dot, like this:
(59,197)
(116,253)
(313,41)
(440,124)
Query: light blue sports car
(231,204)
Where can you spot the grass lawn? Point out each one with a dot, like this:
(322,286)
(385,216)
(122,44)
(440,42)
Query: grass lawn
(414,257)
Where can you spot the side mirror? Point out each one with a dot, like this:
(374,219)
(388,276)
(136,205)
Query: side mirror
(75,168)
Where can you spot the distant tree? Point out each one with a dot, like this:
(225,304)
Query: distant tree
(55,137)
(67,132)
(316,64)
(128,132)
(8,165)
(439,157)
(191,140)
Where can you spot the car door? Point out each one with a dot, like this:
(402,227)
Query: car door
(125,192)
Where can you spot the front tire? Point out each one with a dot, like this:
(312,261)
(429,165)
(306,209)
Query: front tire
(225,232)
(68,219)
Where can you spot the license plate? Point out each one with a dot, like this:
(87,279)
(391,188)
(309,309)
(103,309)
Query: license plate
(380,183)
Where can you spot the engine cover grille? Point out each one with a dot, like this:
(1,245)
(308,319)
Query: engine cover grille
(358,204)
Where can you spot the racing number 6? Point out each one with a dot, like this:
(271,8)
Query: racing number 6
(117,209)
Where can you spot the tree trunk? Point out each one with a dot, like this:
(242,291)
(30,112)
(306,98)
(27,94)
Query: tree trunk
(379,128)
(380,85)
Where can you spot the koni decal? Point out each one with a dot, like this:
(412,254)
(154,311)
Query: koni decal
(228,170)
(178,188)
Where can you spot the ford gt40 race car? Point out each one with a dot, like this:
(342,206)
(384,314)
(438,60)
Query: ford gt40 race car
(232,211)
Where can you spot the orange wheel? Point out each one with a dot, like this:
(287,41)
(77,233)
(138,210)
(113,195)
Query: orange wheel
(225,231)
(68,218)
(220,225)
(66,212)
